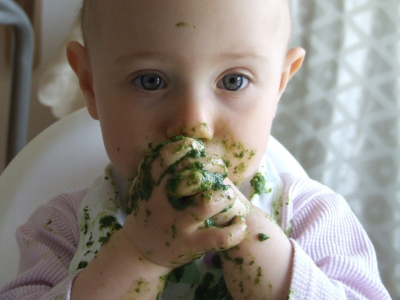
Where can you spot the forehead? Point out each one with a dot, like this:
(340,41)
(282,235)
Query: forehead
(190,23)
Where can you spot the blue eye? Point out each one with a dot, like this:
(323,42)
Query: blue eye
(149,82)
(233,82)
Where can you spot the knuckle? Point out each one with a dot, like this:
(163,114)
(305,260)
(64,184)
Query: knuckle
(226,241)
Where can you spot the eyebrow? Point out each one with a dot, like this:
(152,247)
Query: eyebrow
(142,56)
(163,57)
(241,55)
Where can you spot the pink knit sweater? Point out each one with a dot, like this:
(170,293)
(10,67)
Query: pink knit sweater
(333,256)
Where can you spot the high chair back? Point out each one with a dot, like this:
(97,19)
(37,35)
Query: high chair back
(69,154)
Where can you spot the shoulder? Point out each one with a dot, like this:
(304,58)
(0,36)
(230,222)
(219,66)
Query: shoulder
(65,204)
(312,205)
(305,192)
(302,186)
(57,216)
(68,201)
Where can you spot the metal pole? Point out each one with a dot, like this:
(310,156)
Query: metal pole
(11,14)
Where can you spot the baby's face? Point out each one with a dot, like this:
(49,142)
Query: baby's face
(206,69)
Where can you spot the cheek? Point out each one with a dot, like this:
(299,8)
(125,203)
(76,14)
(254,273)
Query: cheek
(242,144)
(241,154)
(125,149)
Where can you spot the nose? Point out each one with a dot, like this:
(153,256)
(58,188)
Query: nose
(191,116)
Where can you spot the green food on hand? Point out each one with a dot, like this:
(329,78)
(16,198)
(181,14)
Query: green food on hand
(263,237)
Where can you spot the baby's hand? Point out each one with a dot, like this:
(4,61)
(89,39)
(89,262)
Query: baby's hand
(175,199)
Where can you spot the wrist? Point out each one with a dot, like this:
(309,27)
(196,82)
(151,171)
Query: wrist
(118,270)
(128,258)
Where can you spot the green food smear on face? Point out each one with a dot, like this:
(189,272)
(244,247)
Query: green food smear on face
(258,184)
(263,237)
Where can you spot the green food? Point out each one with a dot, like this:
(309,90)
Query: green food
(145,183)
(263,237)
(82,265)
(181,24)
(109,222)
(226,209)
(209,223)
(194,175)
(259,275)
(209,290)
(177,274)
(258,184)
(180,203)
(216,260)
(238,260)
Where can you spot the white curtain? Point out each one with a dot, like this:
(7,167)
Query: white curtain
(340,116)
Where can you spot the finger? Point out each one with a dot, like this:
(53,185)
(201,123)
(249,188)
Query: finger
(166,155)
(205,206)
(190,182)
(154,165)
(241,206)
(238,208)
(210,164)
(223,238)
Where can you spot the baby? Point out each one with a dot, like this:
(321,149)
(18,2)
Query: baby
(186,92)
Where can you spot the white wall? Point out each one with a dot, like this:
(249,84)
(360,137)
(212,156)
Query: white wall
(57,17)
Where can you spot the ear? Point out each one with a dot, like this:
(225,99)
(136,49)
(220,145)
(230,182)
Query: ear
(79,62)
(294,60)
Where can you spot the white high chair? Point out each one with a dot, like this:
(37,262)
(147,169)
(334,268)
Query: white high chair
(67,155)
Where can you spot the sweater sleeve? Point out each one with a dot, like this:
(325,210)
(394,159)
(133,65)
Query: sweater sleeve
(333,256)
(47,242)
